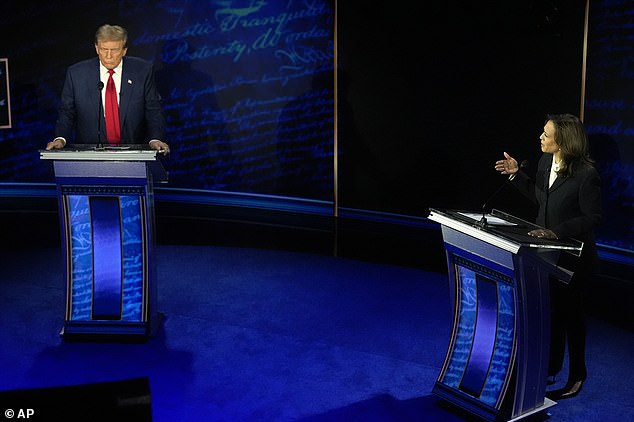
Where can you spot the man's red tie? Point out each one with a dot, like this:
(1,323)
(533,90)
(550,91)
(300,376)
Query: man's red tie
(113,130)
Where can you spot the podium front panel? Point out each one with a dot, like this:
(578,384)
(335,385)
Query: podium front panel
(106,207)
(480,357)
(99,169)
(106,241)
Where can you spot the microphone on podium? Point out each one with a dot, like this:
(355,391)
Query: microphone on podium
(483,220)
(99,146)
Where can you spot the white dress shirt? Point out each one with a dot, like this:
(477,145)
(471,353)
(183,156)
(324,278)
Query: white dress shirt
(116,76)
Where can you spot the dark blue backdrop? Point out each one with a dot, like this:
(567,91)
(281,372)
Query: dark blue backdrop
(429,95)
(609,114)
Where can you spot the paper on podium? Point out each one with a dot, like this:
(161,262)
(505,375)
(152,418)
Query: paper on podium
(490,219)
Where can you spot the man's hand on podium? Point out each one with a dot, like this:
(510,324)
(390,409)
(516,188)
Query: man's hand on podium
(57,143)
(160,146)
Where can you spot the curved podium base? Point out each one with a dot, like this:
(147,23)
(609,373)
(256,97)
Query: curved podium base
(547,404)
(474,407)
(104,331)
(497,358)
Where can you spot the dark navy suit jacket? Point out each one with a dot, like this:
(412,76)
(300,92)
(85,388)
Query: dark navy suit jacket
(140,109)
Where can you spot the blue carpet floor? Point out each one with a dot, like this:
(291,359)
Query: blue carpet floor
(264,335)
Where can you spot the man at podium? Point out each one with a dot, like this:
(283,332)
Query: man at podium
(111,99)
(567,190)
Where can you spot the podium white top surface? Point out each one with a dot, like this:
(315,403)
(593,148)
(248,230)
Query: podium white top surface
(105,154)
(475,232)
(494,233)
(106,163)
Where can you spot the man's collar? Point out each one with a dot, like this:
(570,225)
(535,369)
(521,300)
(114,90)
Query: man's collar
(117,70)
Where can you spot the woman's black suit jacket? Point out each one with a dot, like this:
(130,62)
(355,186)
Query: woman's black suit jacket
(571,207)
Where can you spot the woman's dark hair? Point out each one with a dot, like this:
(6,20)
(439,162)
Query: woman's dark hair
(572,139)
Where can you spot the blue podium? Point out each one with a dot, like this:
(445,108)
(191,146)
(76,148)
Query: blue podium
(106,210)
(497,360)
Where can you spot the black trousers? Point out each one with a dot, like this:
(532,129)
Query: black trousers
(568,324)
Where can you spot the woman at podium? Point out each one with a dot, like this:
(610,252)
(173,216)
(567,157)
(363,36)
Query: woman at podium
(567,190)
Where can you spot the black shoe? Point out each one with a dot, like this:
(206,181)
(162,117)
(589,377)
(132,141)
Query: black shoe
(569,391)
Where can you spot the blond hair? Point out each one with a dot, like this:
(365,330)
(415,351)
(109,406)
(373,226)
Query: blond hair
(111,33)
